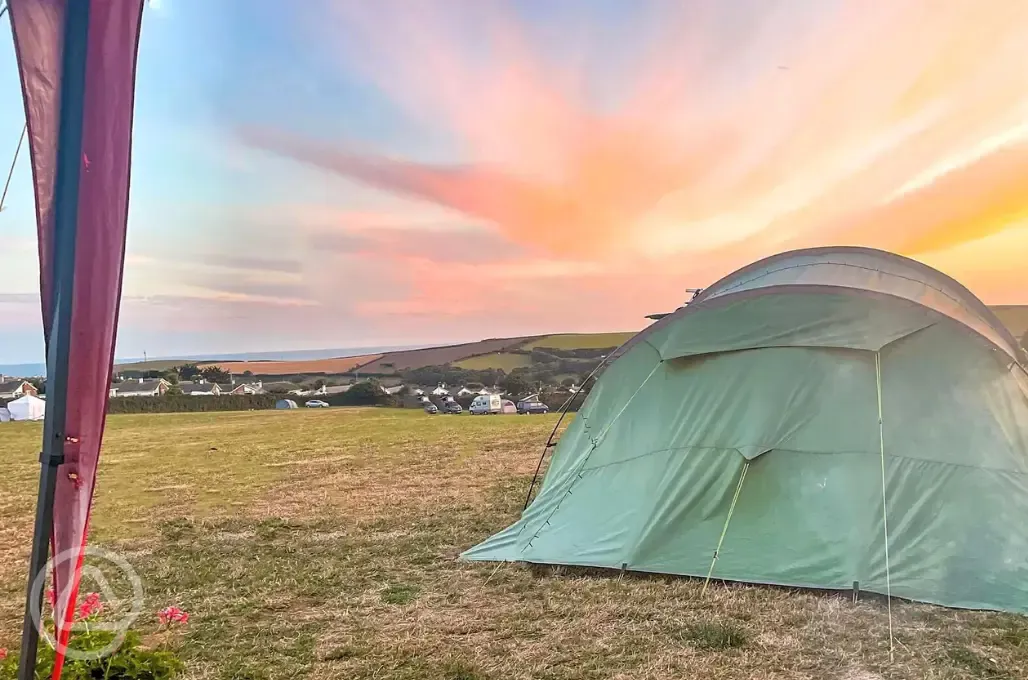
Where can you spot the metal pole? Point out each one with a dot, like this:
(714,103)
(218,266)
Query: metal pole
(65,216)
(14,161)
(563,412)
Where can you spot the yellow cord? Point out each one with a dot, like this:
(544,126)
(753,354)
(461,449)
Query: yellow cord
(885,514)
(724,530)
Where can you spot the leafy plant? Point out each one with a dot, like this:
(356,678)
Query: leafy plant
(131,661)
(89,656)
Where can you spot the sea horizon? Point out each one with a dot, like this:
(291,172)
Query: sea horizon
(38,369)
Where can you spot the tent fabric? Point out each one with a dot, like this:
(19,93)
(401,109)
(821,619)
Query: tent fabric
(27,408)
(862,271)
(5,415)
(870,270)
(784,384)
(98,162)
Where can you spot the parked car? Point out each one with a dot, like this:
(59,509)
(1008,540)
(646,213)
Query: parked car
(431,409)
(317,403)
(532,407)
(486,403)
(452,407)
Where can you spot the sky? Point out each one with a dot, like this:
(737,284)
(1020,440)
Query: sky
(351,173)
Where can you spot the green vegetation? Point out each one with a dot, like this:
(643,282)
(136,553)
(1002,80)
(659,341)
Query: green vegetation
(503,361)
(179,403)
(720,635)
(323,543)
(131,661)
(580,340)
(400,594)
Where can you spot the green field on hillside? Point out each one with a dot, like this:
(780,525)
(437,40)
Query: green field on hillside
(323,544)
(1014,317)
(502,360)
(580,340)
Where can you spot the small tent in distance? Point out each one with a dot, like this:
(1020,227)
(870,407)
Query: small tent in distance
(27,408)
(815,419)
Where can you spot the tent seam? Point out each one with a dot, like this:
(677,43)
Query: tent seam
(738,284)
(581,468)
(771,449)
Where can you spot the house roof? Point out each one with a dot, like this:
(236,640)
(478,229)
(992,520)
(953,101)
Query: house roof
(191,387)
(137,387)
(11,385)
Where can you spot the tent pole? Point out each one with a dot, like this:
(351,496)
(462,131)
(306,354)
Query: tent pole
(885,513)
(724,529)
(563,412)
(596,442)
(65,216)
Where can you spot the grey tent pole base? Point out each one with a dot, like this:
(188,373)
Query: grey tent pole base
(65,216)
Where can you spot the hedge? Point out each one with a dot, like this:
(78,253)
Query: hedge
(180,403)
(347,399)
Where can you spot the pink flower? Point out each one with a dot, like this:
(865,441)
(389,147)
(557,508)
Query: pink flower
(51,597)
(172,615)
(3,653)
(91,605)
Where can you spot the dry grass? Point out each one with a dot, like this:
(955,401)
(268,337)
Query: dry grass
(328,366)
(580,340)
(323,544)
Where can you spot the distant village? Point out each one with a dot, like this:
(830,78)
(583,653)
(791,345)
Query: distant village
(157,387)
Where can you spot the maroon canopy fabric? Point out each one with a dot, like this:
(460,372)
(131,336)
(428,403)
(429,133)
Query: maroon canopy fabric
(105,157)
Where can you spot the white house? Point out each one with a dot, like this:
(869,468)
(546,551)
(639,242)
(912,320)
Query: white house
(142,387)
(200,388)
(242,388)
(14,388)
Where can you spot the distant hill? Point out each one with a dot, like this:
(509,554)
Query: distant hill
(505,354)
(395,362)
(1014,317)
(328,366)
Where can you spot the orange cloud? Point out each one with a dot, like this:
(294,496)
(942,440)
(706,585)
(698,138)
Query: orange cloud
(836,124)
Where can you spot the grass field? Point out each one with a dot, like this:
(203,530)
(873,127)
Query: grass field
(580,340)
(322,544)
(502,360)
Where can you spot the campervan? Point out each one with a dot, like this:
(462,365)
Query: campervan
(486,403)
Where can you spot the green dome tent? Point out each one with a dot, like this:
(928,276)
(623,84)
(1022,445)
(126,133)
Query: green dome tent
(818,418)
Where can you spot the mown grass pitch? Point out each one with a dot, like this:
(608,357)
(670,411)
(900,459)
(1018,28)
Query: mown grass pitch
(323,544)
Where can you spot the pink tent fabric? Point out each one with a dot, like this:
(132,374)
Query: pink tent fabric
(106,115)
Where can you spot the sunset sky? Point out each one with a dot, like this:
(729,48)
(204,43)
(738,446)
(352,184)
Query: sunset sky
(346,173)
